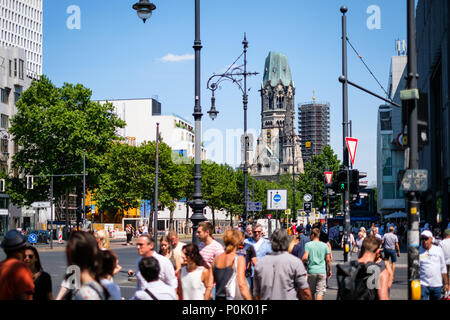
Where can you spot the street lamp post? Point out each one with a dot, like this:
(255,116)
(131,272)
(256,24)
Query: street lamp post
(345,132)
(155,206)
(233,76)
(144,10)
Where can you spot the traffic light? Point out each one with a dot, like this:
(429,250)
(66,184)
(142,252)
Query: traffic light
(30,182)
(340,184)
(334,202)
(324,204)
(355,176)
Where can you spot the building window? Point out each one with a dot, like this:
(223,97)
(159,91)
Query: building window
(10,68)
(4,121)
(388,191)
(15,67)
(17,93)
(386,155)
(4,146)
(21,69)
(4,95)
(385,120)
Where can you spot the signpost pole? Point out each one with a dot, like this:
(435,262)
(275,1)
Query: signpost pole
(51,210)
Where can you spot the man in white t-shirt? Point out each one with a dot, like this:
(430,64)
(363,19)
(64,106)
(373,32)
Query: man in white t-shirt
(208,247)
(433,271)
(445,246)
(145,246)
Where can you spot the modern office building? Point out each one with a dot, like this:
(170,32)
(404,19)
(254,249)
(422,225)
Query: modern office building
(141,116)
(21,27)
(390,150)
(433,59)
(277,151)
(313,127)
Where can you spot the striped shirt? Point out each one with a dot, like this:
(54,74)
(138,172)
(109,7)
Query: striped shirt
(210,252)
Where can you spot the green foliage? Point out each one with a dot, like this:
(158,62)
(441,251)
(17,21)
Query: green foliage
(52,126)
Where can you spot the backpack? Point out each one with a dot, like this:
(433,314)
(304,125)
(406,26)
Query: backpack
(352,281)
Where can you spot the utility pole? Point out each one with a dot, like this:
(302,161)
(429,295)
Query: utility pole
(345,133)
(413,205)
(155,216)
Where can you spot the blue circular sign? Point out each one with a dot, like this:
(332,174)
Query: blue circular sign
(32,238)
(277,198)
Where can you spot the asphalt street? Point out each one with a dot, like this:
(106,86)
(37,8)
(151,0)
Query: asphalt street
(54,262)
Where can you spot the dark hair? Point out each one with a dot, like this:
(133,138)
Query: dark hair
(165,239)
(82,250)
(207,226)
(149,268)
(109,263)
(317,225)
(280,240)
(191,251)
(37,264)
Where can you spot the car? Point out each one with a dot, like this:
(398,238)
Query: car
(43,236)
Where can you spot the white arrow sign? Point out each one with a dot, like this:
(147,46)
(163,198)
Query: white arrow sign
(329,176)
(352,144)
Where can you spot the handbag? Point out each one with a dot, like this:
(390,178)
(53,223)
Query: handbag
(355,249)
(232,287)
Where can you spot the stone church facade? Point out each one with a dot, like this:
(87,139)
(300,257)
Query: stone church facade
(277,150)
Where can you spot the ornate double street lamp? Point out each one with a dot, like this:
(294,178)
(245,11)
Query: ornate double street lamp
(235,75)
(144,10)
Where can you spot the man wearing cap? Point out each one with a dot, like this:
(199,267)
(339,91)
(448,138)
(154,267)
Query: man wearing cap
(433,271)
(16,279)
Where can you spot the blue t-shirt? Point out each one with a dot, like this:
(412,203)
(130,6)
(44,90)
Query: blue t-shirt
(299,249)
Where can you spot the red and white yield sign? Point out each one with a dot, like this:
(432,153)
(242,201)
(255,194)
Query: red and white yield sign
(329,176)
(352,143)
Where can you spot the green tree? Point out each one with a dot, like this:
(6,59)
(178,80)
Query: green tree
(51,128)
(315,169)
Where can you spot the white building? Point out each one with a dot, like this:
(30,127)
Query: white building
(21,27)
(390,153)
(141,117)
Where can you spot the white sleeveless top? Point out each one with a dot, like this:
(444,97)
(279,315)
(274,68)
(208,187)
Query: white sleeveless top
(192,284)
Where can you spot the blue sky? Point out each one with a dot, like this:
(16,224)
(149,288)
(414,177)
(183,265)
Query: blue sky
(118,57)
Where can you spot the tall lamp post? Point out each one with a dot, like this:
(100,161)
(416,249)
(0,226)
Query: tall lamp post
(235,75)
(144,10)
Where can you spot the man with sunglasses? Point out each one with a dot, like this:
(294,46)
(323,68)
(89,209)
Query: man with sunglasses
(433,271)
(145,247)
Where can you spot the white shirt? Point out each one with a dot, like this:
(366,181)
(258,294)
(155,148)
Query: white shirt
(192,284)
(158,288)
(166,273)
(445,246)
(432,266)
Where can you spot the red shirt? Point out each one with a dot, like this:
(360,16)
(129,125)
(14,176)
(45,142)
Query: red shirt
(16,279)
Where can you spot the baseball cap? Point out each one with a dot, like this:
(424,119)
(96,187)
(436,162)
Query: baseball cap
(13,241)
(426,233)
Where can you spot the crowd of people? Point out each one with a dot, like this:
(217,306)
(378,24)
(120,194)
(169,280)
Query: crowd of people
(248,266)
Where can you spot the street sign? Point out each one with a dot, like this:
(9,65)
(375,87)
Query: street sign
(307,206)
(32,238)
(287,212)
(307,197)
(328,177)
(254,206)
(276,199)
(352,144)
(39,205)
(93,209)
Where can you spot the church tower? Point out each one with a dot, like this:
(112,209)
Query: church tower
(277,150)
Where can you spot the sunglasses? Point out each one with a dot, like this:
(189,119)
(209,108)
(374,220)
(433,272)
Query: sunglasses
(257,231)
(31,256)
(424,238)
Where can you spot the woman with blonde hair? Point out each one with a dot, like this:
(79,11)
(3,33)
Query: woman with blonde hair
(229,270)
(102,238)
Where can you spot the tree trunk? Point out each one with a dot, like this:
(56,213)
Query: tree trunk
(231,219)
(186,227)
(171,228)
(213,219)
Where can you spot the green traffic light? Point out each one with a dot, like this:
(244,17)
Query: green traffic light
(342,186)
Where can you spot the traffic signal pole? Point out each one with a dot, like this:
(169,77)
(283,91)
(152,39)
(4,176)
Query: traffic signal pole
(413,205)
(346,204)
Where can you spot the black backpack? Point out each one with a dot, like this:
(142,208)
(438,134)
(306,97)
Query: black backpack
(352,280)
